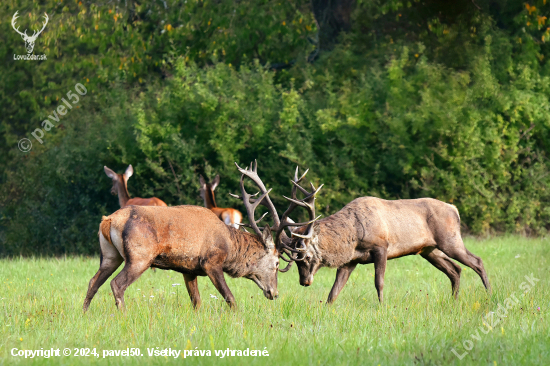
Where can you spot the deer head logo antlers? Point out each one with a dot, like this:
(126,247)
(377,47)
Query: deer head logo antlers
(29,40)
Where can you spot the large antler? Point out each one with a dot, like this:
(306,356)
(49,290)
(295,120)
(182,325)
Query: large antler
(250,203)
(13,20)
(309,203)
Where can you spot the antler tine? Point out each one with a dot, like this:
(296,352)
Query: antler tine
(261,218)
(301,203)
(287,266)
(257,221)
(265,201)
(241,197)
(299,187)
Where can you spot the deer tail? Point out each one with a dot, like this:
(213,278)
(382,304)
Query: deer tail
(105,228)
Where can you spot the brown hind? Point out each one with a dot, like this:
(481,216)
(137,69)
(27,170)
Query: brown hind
(120,188)
(229,216)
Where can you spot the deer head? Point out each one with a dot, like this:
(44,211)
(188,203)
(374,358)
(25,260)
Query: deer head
(207,191)
(120,183)
(282,242)
(29,40)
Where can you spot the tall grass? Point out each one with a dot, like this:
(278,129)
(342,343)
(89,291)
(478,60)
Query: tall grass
(419,322)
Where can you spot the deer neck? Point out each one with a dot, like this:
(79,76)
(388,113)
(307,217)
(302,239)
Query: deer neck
(209,198)
(333,245)
(246,250)
(122,192)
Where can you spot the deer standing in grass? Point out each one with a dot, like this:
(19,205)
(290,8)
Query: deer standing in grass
(190,240)
(228,215)
(120,188)
(373,230)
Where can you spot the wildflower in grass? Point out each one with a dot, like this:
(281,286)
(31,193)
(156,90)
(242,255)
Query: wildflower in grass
(214,296)
(176,284)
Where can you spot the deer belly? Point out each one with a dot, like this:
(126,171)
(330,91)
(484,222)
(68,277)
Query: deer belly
(402,249)
(177,262)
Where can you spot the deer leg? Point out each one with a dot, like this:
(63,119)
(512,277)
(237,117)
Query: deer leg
(217,278)
(129,274)
(440,261)
(107,267)
(458,252)
(380,256)
(193,289)
(342,276)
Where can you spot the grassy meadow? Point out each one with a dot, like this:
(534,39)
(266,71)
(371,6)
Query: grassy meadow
(419,323)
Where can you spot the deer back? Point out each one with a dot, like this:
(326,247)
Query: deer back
(179,235)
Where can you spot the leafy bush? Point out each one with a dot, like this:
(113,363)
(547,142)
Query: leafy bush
(450,106)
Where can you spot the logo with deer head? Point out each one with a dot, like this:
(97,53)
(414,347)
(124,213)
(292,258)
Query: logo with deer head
(29,40)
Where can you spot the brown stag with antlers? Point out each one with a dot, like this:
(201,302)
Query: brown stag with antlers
(190,240)
(373,230)
(228,215)
(120,188)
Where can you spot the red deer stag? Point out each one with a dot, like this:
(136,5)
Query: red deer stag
(120,187)
(373,230)
(190,240)
(228,215)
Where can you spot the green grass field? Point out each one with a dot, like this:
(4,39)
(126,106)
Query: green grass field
(419,323)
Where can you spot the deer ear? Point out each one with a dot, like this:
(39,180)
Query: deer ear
(201,180)
(215,182)
(129,172)
(110,173)
(267,238)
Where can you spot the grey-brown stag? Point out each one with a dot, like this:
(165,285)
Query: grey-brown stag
(373,230)
(190,240)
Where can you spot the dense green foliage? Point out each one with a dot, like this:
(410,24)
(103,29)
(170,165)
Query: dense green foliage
(417,100)
(418,324)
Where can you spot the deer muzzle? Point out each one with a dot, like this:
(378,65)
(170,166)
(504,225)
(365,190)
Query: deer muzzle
(307,281)
(271,294)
